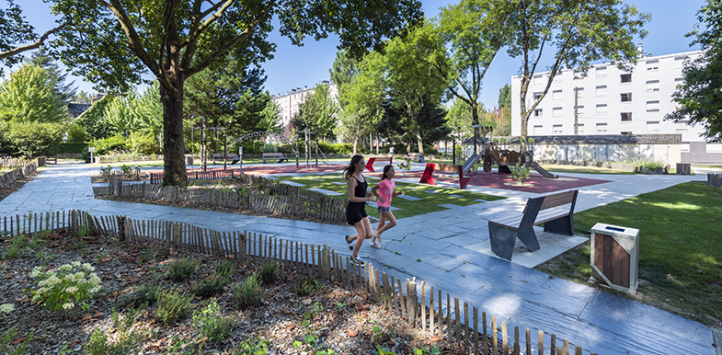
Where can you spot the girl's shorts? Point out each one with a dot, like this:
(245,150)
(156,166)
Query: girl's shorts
(383,209)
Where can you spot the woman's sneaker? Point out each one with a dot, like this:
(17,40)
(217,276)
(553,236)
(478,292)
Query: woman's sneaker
(351,244)
(357,261)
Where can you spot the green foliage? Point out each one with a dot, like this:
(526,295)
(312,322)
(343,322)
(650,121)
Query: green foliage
(17,243)
(210,286)
(427,350)
(143,144)
(505,96)
(92,119)
(173,306)
(126,341)
(10,335)
(31,139)
(306,286)
(28,96)
(72,148)
(247,293)
(698,96)
(182,269)
(62,289)
(126,169)
(105,145)
(519,172)
(319,111)
(212,324)
(269,272)
(226,268)
(14,32)
(145,294)
(76,134)
(253,346)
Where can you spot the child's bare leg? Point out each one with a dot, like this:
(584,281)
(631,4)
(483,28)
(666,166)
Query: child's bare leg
(361,229)
(392,223)
(382,222)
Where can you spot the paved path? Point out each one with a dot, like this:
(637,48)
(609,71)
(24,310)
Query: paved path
(448,249)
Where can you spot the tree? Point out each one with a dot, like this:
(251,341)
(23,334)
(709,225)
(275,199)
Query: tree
(31,138)
(458,119)
(182,38)
(15,32)
(319,111)
(270,120)
(700,96)
(92,119)
(505,96)
(41,58)
(579,32)
(395,124)
(29,96)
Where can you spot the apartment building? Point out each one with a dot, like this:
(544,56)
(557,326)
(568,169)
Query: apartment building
(290,102)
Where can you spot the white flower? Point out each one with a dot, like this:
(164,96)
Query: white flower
(53,280)
(71,289)
(94,279)
(79,275)
(7,308)
(68,278)
(36,272)
(65,267)
(88,267)
(68,305)
(75,263)
(94,290)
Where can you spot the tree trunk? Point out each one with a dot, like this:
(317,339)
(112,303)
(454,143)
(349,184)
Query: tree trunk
(418,140)
(174,167)
(524,124)
(475,120)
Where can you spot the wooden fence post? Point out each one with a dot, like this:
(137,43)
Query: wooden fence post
(121,228)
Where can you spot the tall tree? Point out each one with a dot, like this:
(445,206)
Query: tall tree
(65,91)
(395,124)
(15,33)
(29,96)
(505,96)
(577,31)
(318,111)
(179,39)
(92,119)
(700,96)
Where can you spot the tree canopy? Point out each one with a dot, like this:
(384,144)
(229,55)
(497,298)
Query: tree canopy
(319,112)
(30,96)
(700,96)
(15,33)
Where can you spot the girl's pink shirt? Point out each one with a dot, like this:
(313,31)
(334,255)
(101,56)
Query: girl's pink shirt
(386,190)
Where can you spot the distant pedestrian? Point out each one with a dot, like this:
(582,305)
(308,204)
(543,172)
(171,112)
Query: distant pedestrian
(384,192)
(356,208)
(391,151)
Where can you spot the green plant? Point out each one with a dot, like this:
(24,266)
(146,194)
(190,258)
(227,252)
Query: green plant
(384,351)
(10,335)
(269,272)
(7,308)
(17,243)
(62,289)
(253,346)
(182,269)
(305,286)
(247,293)
(172,306)
(519,172)
(212,324)
(126,341)
(146,294)
(427,350)
(210,285)
(226,268)
(126,169)
(106,171)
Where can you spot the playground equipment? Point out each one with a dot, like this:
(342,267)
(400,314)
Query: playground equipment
(505,157)
(258,134)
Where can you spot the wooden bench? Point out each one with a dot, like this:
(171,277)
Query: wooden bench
(278,156)
(372,160)
(448,169)
(546,209)
(221,156)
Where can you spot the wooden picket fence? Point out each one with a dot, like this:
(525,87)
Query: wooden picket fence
(267,196)
(157,178)
(8,178)
(431,312)
(715,180)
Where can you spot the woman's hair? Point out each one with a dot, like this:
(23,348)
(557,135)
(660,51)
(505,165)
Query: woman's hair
(386,170)
(351,168)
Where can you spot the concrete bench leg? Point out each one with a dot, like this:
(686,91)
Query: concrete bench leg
(528,237)
(563,225)
(502,241)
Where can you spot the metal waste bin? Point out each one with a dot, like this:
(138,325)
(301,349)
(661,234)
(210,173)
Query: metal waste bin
(615,256)
(684,169)
(42,160)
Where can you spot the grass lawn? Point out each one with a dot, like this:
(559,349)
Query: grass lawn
(582,169)
(680,249)
(429,201)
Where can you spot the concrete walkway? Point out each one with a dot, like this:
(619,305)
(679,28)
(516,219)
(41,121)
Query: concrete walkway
(447,249)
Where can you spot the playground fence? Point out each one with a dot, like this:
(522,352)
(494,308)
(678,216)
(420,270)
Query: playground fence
(424,307)
(715,180)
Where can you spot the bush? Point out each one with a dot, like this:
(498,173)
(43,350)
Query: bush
(105,145)
(31,139)
(430,151)
(304,287)
(212,324)
(143,144)
(248,293)
(269,272)
(226,268)
(126,341)
(76,134)
(172,306)
(72,148)
(61,290)
(182,269)
(210,286)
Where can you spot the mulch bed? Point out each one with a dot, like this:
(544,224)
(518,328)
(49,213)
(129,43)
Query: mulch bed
(16,185)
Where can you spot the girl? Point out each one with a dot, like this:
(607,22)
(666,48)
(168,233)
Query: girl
(356,208)
(384,191)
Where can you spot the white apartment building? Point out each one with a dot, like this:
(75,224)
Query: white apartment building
(290,101)
(608,100)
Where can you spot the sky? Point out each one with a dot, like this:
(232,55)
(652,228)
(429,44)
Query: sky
(294,67)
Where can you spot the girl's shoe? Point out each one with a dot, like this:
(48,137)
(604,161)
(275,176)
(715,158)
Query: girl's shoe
(375,245)
(357,261)
(350,243)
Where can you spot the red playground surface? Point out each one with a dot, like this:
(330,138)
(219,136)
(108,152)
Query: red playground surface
(535,183)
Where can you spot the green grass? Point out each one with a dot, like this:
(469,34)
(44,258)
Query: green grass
(582,169)
(429,201)
(680,248)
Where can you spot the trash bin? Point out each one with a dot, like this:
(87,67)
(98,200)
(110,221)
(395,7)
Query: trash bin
(684,169)
(42,160)
(189,160)
(615,256)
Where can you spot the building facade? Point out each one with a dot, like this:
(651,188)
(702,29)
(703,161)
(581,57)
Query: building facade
(290,102)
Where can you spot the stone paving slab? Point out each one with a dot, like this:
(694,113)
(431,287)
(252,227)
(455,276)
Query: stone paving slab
(407,197)
(326,192)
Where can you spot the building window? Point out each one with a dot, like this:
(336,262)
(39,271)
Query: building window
(601,128)
(653,126)
(601,72)
(601,109)
(679,61)
(537,95)
(557,95)
(538,79)
(653,85)
(580,128)
(626,116)
(602,90)
(626,133)
(713,148)
(626,97)
(626,78)
(557,78)
(538,112)
(557,112)
(538,129)
(580,111)
(557,129)
(652,65)
(652,106)
(580,92)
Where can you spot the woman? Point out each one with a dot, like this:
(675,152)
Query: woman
(356,208)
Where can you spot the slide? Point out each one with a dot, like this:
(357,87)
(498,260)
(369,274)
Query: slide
(542,171)
(470,163)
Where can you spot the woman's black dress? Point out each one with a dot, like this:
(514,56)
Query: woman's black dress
(356,211)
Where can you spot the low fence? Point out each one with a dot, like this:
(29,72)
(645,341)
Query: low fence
(8,178)
(715,180)
(267,196)
(157,178)
(430,311)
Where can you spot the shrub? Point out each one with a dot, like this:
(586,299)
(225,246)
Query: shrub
(305,287)
(10,335)
(146,294)
(212,324)
(172,306)
(269,272)
(32,139)
(105,145)
(17,243)
(76,135)
(248,293)
(430,151)
(143,144)
(226,268)
(72,148)
(210,286)
(126,341)
(126,169)
(61,290)
(182,269)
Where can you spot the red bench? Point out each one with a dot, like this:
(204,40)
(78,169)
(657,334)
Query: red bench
(372,160)
(447,169)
